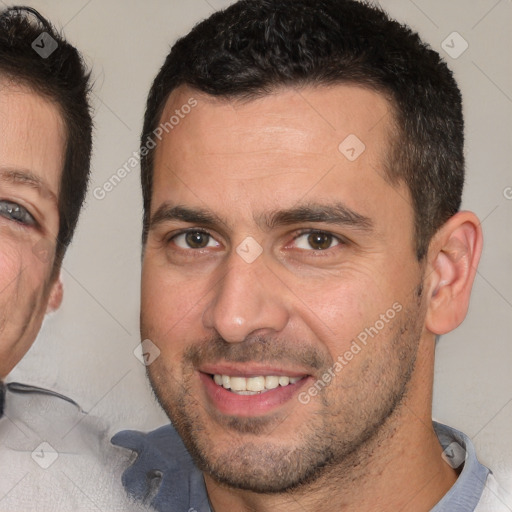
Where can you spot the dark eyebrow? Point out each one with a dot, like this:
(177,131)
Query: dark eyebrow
(28,178)
(331,214)
(167,212)
(336,213)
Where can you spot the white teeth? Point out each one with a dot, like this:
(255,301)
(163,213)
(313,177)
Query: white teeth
(253,385)
(271,382)
(284,381)
(238,383)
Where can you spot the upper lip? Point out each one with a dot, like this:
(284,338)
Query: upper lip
(249,370)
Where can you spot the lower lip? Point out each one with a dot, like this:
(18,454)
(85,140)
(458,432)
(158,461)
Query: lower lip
(231,404)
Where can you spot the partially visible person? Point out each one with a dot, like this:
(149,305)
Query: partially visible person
(53,455)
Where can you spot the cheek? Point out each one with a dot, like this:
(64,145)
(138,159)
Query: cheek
(22,303)
(25,260)
(341,304)
(12,265)
(171,314)
(22,277)
(349,312)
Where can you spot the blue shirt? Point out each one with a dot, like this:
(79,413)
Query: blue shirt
(165,476)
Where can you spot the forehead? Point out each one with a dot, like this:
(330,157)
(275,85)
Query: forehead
(32,134)
(288,146)
(318,116)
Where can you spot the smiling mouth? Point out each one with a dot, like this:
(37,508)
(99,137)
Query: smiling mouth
(253,385)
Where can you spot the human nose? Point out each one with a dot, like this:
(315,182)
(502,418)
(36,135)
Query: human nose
(250,299)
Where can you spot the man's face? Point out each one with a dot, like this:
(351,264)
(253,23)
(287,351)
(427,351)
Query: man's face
(278,249)
(31,158)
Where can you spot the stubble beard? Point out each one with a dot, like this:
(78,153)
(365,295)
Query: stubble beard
(350,418)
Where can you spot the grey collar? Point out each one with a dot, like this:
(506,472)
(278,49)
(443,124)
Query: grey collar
(467,490)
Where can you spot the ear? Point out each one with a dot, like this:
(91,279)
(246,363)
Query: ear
(453,255)
(55,297)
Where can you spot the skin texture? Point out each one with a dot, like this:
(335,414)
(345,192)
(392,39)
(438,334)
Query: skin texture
(299,305)
(32,140)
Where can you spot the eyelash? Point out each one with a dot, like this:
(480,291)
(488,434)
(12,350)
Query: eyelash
(340,241)
(15,208)
(185,232)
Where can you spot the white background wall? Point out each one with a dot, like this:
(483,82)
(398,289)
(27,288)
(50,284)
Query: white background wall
(86,349)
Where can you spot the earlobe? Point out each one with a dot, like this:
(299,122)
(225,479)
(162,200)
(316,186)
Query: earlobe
(56,294)
(454,255)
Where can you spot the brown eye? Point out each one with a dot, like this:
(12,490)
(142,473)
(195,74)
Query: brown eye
(197,239)
(316,241)
(320,241)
